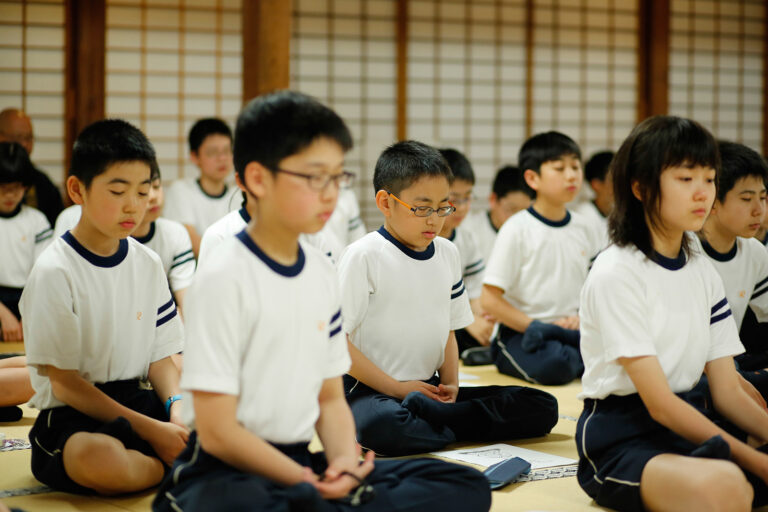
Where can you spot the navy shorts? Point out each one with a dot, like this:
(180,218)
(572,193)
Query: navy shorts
(53,427)
(616,437)
(10,298)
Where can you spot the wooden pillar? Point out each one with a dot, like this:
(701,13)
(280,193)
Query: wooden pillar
(402,69)
(529,68)
(266,46)
(85,67)
(653,58)
(765,80)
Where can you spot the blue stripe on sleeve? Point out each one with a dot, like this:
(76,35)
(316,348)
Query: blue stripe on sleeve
(179,263)
(457,294)
(757,294)
(334,332)
(474,272)
(182,255)
(336,316)
(457,285)
(165,306)
(761,283)
(719,305)
(719,317)
(166,318)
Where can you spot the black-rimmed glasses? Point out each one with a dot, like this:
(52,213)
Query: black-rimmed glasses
(319,182)
(426,211)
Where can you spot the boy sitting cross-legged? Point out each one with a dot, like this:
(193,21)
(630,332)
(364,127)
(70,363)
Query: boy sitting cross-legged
(265,351)
(403,296)
(99,319)
(538,265)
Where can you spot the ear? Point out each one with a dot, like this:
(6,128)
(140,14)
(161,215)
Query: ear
(256,178)
(195,158)
(382,203)
(532,179)
(492,199)
(239,183)
(636,191)
(715,206)
(76,189)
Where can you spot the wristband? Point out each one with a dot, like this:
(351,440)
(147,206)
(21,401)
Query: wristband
(169,402)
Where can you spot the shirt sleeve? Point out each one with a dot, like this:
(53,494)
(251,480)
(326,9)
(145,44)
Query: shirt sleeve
(214,314)
(43,234)
(52,329)
(613,303)
(461,312)
(356,284)
(338,362)
(724,336)
(169,331)
(473,271)
(503,266)
(759,300)
(183,265)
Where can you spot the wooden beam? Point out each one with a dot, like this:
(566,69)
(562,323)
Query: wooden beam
(85,70)
(765,80)
(266,46)
(402,69)
(653,58)
(528,68)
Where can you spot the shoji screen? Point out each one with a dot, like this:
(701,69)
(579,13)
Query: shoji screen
(716,66)
(343,52)
(466,79)
(169,63)
(585,70)
(32,74)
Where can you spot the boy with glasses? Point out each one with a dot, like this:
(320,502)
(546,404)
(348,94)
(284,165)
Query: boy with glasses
(265,352)
(200,202)
(403,296)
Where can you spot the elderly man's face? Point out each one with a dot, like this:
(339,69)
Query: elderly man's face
(17,128)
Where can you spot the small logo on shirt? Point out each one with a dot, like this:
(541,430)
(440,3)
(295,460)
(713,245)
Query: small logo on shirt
(321,326)
(24,238)
(138,315)
(742,293)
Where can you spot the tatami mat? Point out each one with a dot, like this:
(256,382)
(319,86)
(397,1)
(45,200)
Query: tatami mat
(562,494)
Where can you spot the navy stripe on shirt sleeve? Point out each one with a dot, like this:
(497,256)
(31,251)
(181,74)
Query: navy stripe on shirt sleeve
(179,263)
(457,285)
(164,307)
(719,306)
(166,318)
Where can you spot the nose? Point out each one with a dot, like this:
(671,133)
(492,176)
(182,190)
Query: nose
(759,209)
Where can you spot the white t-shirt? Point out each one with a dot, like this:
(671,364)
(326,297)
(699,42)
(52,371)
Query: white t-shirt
(106,317)
(595,218)
(67,219)
(346,223)
(400,305)
(268,333)
(170,240)
(188,203)
(674,310)
(541,265)
(472,262)
(23,236)
(480,225)
(744,271)
(234,222)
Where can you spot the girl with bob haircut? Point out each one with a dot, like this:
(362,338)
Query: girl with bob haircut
(654,318)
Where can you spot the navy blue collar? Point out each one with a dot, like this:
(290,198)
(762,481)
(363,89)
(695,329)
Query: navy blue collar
(423,255)
(223,192)
(145,239)
(490,221)
(283,270)
(13,213)
(244,214)
(553,223)
(719,256)
(95,259)
(670,263)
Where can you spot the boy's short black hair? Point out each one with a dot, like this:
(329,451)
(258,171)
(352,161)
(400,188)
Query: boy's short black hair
(738,161)
(404,163)
(107,142)
(460,166)
(510,179)
(275,126)
(597,166)
(15,166)
(544,147)
(154,170)
(205,127)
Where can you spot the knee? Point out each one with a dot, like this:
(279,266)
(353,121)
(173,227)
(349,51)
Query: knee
(557,371)
(723,487)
